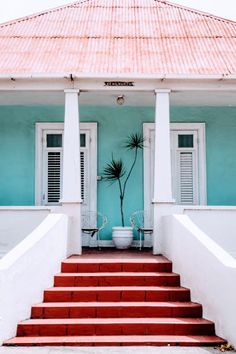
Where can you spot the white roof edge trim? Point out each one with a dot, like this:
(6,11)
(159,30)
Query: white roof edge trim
(77,76)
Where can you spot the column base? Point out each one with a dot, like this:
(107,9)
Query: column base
(73,210)
(160,209)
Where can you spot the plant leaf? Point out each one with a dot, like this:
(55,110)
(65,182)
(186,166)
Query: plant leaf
(114,170)
(134,141)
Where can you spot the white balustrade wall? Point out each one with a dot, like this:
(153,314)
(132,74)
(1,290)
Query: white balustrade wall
(16,223)
(205,267)
(28,269)
(219,223)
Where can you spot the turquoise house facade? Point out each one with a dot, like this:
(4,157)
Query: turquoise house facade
(114,123)
(75,82)
(174,68)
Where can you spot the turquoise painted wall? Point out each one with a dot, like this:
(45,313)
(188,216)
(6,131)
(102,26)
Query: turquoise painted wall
(17,151)
(220,149)
(114,125)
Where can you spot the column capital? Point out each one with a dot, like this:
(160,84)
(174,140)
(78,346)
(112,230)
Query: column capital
(72,91)
(162,91)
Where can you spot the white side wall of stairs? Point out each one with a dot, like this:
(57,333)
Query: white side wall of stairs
(206,268)
(27,269)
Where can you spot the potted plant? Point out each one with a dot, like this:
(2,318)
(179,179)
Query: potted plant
(115,171)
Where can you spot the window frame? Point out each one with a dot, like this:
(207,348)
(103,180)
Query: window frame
(148,129)
(90,127)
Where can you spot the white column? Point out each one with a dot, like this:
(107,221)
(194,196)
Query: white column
(162,165)
(71,190)
(162,198)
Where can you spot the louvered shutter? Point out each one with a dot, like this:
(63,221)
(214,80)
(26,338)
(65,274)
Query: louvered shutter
(52,166)
(186,178)
(83,174)
(53,161)
(54,176)
(184,165)
(54,169)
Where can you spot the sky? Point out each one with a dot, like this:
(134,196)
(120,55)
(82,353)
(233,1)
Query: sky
(12,9)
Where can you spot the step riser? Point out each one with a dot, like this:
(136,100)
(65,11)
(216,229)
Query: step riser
(115,267)
(114,329)
(116,295)
(115,312)
(173,280)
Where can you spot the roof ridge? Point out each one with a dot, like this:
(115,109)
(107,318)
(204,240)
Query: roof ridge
(166,2)
(196,11)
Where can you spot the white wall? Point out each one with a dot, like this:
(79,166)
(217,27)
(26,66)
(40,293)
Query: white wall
(218,223)
(28,269)
(16,223)
(205,268)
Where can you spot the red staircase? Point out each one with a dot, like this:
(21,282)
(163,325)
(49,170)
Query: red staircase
(116,301)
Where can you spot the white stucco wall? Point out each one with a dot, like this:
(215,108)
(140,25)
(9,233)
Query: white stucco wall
(16,223)
(219,223)
(28,269)
(206,268)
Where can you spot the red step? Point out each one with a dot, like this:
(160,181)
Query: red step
(116,310)
(115,326)
(117,279)
(117,293)
(116,301)
(124,340)
(156,264)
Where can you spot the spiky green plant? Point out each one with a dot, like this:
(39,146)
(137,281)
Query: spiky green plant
(115,170)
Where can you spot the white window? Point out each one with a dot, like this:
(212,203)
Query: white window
(184,158)
(187,159)
(52,166)
(49,163)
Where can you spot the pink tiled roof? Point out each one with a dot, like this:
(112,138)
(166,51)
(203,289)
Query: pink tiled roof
(119,37)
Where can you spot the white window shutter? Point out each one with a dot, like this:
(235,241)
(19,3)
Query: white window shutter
(186,177)
(83,174)
(54,176)
(53,169)
(54,172)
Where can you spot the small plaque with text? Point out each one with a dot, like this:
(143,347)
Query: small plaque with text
(118,83)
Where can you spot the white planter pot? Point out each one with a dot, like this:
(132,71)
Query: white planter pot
(122,237)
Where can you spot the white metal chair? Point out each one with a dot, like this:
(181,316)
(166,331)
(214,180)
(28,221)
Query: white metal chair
(141,222)
(92,222)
